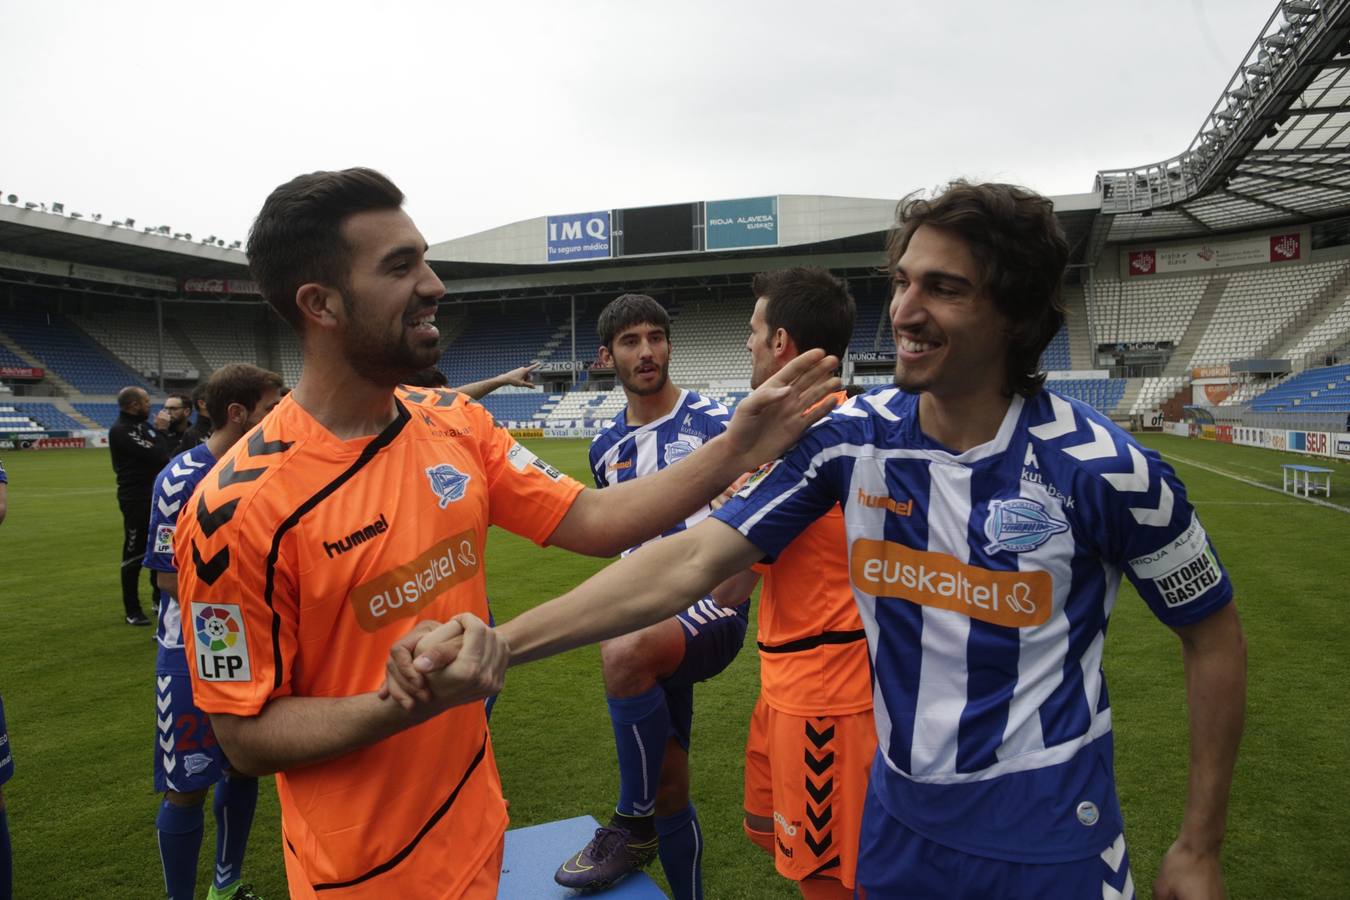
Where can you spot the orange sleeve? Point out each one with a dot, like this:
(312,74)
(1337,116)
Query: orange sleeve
(526,495)
(238,624)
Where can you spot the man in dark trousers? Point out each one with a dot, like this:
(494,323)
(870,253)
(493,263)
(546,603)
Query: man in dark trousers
(139,451)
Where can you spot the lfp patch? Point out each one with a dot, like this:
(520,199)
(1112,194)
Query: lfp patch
(164,539)
(1019,525)
(222,643)
(448,483)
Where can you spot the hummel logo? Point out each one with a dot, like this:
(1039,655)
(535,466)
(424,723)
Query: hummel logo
(360,536)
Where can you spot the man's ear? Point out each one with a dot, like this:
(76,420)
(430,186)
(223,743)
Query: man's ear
(318,305)
(784,347)
(605,358)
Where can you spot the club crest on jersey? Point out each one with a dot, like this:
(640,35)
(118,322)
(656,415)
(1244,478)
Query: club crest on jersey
(677,450)
(1019,525)
(448,483)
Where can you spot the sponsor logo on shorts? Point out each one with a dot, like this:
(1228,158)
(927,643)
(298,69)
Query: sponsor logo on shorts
(1019,525)
(196,763)
(890,504)
(789,828)
(164,539)
(1087,813)
(356,538)
(1183,569)
(406,590)
(447,483)
(222,642)
(1013,599)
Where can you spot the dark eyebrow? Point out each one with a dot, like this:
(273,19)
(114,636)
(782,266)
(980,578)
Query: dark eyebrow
(405,250)
(940,275)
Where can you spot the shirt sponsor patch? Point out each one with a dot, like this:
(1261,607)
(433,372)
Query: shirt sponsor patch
(522,459)
(1015,599)
(406,590)
(1019,525)
(222,642)
(1183,569)
(164,539)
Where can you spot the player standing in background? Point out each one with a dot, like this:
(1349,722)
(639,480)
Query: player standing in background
(138,451)
(989,522)
(188,760)
(201,428)
(6,757)
(650,674)
(812,738)
(355,511)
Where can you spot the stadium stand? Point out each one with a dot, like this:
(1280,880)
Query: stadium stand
(1154,392)
(711,343)
(1100,393)
(48,417)
(1333,331)
(495,339)
(14,419)
(1324,389)
(9,358)
(1257,305)
(1144,310)
(78,360)
(1056,355)
(518,405)
(102,413)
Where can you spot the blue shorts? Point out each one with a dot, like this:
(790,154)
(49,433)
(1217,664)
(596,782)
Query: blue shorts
(895,862)
(6,758)
(712,637)
(187,757)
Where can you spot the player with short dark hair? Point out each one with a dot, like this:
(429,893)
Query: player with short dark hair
(990,522)
(200,429)
(649,675)
(812,737)
(138,451)
(356,514)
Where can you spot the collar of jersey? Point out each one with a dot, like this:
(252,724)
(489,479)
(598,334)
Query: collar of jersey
(315,431)
(1000,442)
(654,423)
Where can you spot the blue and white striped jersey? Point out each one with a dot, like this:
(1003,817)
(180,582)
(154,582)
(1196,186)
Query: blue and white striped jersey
(620,453)
(985,580)
(173,486)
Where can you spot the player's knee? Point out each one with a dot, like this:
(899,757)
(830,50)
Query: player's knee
(759,829)
(186,798)
(627,665)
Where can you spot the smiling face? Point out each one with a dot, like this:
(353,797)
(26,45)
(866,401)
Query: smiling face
(389,300)
(641,359)
(950,340)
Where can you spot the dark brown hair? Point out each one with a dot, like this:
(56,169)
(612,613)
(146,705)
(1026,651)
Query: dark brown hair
(1021,252)
(811,305)
(237,383)
(297,236)
(627,310)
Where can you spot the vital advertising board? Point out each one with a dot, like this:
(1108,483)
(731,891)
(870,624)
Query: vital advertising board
(1272,248)
(749,222)
(578,236)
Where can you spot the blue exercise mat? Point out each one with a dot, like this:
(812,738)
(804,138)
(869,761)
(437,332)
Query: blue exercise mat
(533,854)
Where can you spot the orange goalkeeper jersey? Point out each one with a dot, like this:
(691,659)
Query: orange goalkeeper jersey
(812,650)
(301,559)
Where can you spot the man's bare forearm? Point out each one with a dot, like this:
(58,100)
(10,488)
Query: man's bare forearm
(638,590)
(299,731)
(1216,686)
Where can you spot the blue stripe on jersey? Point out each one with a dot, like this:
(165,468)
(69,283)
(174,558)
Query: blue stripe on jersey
(992,734)
(620,453)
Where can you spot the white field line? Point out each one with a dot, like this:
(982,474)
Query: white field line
(1256,484)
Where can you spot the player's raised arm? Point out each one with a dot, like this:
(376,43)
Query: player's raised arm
(765,424)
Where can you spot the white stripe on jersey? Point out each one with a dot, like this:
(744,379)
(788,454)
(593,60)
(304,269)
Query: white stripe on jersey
(1041,656)
(942,686)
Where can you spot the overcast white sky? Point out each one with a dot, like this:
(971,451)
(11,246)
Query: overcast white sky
(188,114)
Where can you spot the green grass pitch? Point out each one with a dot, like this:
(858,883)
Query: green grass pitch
(78,691)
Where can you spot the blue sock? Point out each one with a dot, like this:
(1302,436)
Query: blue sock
(682,853)
(235,799)
(6,863)
(180,840)
(641,726)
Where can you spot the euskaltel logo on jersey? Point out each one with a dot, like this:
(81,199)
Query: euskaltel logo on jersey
(407,589)
(1014,599)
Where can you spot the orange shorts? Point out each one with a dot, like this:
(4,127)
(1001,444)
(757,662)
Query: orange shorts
(809,775)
